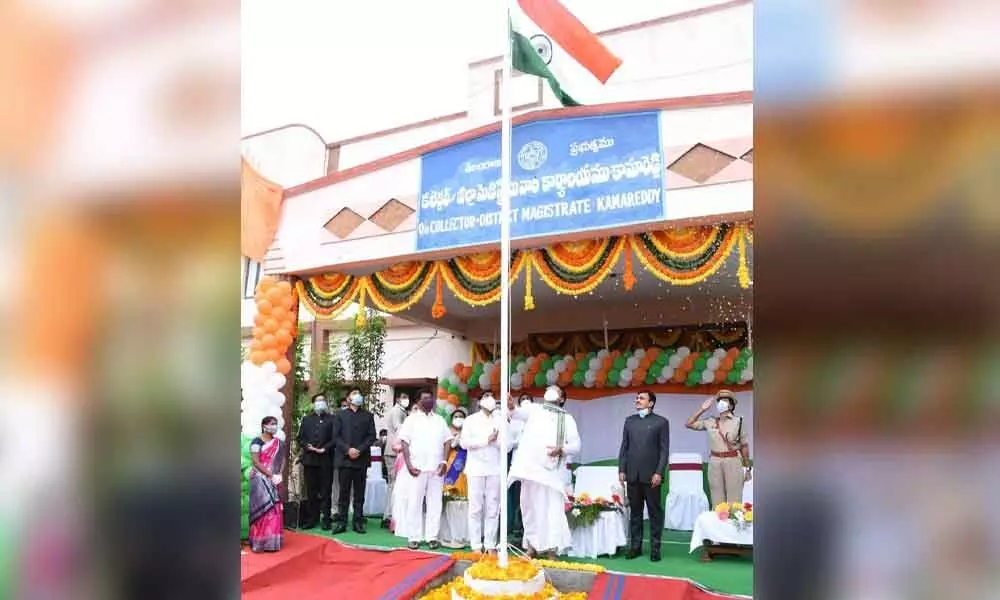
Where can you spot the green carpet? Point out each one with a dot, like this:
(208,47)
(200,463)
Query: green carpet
(728,575)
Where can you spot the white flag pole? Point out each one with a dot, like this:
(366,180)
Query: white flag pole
(504,365)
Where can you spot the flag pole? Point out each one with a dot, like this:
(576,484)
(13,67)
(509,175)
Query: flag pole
(504,366)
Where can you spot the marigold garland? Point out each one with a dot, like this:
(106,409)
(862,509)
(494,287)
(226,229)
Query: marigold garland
(682,257)
(458,585)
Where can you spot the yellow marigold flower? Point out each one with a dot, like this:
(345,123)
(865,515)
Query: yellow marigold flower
(722,507)
(748,516)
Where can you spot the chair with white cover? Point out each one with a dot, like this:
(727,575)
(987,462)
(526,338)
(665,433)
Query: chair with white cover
(748,491)
(686,497)
(376,488)
(610,531)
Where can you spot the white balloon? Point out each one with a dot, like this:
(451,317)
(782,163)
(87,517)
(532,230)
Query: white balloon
(661,379)
(280,435)
(484,381)
(667,372)
(453,378)
(713,363)
(750,363)
(269,367)
(625,375)
(719,353)
(515,380)
(275,381)
(683,352)
(639,353)
(590,376)
(595,363)
(623,383)
(675,360)
(463,387)
(602,353)
(707,376)
(274,398)
(746,375)
(488,367)
(588,384)
(522,368)
(530,361)
(551,376)
(632,362)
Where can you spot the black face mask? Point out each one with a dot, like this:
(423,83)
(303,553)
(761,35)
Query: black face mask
(427,404)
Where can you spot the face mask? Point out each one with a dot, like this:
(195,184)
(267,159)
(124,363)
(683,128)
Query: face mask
(404,402)
(427,405)
(319,406)
(272,429)
(722,405)
(457,422)
(643,412)
(488,403)
(357,399)
(525,401)
(552,394)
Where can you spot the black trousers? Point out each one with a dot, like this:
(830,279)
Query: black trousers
(639,494)
(317,504)
(352,483)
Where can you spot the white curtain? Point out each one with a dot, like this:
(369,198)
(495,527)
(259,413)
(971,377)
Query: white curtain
(600,422)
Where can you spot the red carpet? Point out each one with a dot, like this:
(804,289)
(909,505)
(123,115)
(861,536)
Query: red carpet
(612,586)
(313,568)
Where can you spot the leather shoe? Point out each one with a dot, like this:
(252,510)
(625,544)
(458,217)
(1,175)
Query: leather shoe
(633,553)
(339,528)
(654,556)
(386,523)
(360,528)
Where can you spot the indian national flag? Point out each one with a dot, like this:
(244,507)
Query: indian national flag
(548,41)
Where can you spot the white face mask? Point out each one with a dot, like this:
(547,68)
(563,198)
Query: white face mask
(643,412)
(272,429)
(357,399)
(404,402)
(488,403)
(552,394)
(722,405)
(319,406)
(457,422)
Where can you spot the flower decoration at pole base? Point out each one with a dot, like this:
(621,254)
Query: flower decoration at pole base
(740,514)
(457,589)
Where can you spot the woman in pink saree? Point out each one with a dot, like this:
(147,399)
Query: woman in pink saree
(266,516)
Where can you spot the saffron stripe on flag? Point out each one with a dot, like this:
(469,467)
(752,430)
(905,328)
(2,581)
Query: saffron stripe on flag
(566,30)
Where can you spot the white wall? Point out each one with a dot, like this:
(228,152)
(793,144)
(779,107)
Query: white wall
(288,156)
(601,421)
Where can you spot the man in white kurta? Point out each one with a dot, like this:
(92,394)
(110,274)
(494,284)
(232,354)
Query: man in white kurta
(425,438)
(549,434)
(394,422)
(482,469)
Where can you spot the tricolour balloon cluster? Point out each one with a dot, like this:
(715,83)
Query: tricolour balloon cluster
(262,397)
(274,323)
(454,384)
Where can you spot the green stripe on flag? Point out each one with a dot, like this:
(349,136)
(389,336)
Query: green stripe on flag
(525,59)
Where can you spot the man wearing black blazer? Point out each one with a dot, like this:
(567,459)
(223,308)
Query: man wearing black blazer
(353,436)
(316,445)
(641,463)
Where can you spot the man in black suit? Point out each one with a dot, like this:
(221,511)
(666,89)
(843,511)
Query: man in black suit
(641,463)
(316,444)
(353,435)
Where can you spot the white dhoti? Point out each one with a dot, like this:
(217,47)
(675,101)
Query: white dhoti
(484,502)
(426,488)
(544,515)
(402,525)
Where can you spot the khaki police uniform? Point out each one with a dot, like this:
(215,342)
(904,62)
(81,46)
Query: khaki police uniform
(726,435)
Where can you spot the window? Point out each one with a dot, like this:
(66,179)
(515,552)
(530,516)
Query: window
(251,275)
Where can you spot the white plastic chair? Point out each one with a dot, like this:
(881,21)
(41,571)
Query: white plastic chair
(748,491)
(376,488)
(609,532)
(686,498)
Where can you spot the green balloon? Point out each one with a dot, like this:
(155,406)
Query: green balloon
(578,378)
(547,364)
(694,377)
(619,362)
(732,377)
(650,380)
(700,363)
(613,377)
(540,379)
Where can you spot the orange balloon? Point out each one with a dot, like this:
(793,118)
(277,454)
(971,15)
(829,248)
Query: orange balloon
(639,376)
(453,399)
(271,325)
(266,283)
(284,338)
(495,376)
(457,369)
(580,356)
(599,383)
(688,363)
(255,345)
(284,366)
(442,393)
(258,358)
(720,376)
(275,295)
(279,312)
(733,352)
(727,364)
(272,354)
(258,332)
(264,307)
(269,341)
(288,302)
(258,319)
(607,362)
(652,352)
(679,376)
(285,286)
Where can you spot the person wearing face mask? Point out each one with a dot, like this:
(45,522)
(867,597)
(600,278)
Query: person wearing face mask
(353,436)
(642,460)
(729,460)
(425,440)
(266,513)
(316,445)
(455,481)
(549,435)
(397,414)
(480,438)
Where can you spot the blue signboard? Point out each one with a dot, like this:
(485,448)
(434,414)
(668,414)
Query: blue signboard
(566,175)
